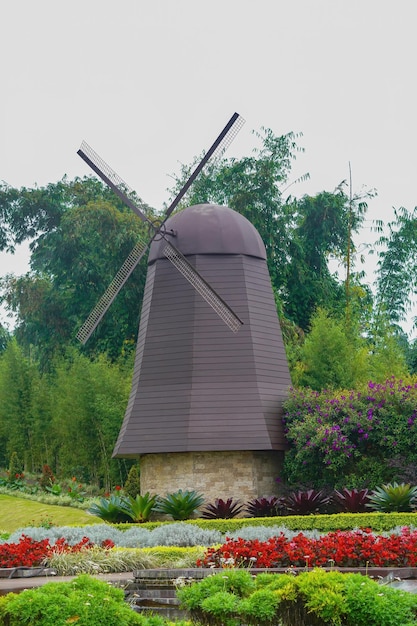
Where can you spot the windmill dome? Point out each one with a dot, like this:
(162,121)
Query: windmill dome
(210,229)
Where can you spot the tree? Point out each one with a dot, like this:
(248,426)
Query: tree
(320,231)
(253,186)
(299,235)
(397,266)
(89,400)
(15,406)
(71,266)
(4,338)
(31,213)
(330,359)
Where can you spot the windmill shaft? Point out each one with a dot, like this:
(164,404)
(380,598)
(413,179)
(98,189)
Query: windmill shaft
(111,178)
(111,292)
(203,288)
(225,138)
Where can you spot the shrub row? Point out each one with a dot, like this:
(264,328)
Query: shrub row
(314,598)
(84,601)
(182,505)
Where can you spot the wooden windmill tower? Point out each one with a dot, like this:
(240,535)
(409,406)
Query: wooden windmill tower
(209,381)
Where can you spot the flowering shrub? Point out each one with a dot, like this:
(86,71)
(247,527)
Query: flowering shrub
(76,491)
(27,552)
(359,548)
(358,435)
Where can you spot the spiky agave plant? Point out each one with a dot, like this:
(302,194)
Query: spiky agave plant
(393,497)
(111,509)
(180,505)
(141,507)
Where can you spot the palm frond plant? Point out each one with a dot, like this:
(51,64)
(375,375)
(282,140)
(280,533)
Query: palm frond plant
(112,509)
(393,497)
(222,509)
(180,505)
(140,508)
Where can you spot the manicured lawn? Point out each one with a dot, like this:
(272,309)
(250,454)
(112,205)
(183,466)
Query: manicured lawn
(17,513)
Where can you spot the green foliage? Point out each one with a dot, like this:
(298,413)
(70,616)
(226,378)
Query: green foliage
(321,523)
(117,509)
(260,607)
(81,235)
(329,358)
(323,227)
(236,581)
(17,377)
(140,508)
(388,350)
(219,607)
(368,604)
(397,268)
(299,235)
(15,467)
(393,497)
(312,598)
(84,601)
(35,407)
(112,509)
(94,393)
(180,505)
(4,338)
(132,484)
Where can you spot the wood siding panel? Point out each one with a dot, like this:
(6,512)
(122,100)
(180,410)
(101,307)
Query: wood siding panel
(197,386)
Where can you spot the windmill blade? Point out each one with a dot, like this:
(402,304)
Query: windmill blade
(202,287)
(222,142)
(111,292)
(125,193)
(112,179)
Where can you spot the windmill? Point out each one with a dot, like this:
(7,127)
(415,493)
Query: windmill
(209,381)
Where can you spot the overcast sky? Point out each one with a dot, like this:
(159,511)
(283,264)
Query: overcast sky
(150,84)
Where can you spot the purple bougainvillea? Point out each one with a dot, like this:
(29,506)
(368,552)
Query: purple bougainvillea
(334,435)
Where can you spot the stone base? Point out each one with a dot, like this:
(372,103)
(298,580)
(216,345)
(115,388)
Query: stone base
(241,475)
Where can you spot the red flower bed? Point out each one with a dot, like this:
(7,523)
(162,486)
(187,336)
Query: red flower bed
(29,553)
(343,549)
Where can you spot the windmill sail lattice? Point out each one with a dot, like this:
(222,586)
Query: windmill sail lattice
(111,178)
(111,292)
(126,194)
(221,144)
(203,288)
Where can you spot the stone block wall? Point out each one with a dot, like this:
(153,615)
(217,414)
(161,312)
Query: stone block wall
(242,475)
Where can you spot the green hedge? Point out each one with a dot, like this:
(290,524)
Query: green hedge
(325,523)
(83,601)
(315,598)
